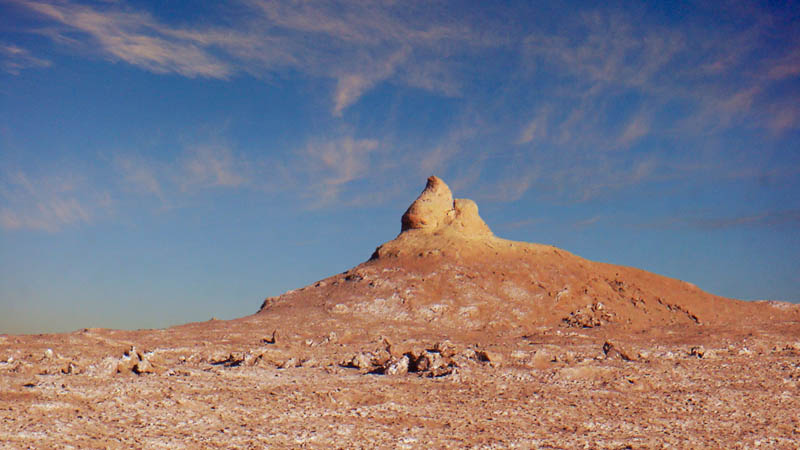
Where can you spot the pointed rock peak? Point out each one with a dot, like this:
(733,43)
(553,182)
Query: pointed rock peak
(431,208)
(435,210)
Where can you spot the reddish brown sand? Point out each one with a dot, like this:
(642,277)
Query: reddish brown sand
(448,337)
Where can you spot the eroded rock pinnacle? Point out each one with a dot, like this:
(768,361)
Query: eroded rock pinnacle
(435,210)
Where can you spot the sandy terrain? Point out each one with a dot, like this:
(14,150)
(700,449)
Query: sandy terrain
(448,337)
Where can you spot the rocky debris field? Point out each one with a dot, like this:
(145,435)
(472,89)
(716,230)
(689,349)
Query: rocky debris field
(557,388)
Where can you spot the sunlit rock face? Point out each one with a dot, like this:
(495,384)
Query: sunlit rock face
(435,210)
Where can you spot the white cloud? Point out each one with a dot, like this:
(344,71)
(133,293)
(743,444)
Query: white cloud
(197,167)
(351,87)
(332,164)
(47,203)
(210,166)
(535,129)
(137,39)
(140,175)
(358,45)
(511,187)
(636,128)
(15,59)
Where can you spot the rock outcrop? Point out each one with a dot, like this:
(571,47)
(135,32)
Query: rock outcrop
(446,269)
(436,211)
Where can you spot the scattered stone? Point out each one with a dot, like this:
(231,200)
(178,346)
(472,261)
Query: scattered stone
(493,358)
(590,316)
(272,339)
(290,363)
(519,354)
(234,359)
(310,362)
(613,350)
(430,362)
(70,369)
(566,357)
(399,367)
(360,361)
(698,351)
(444,348)
(332,338)
(381,358)
(137,362)
(793,346)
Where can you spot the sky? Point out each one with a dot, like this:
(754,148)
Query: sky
(163,162)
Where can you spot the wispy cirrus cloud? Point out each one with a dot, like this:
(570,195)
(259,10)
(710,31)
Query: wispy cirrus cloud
(350,87)
(710,222)
(15,59)
(536,128)
(134,37)
(328,166)
(47,203)
(209,166)
(139,175)
(586,97)
(197,167)
(357,45)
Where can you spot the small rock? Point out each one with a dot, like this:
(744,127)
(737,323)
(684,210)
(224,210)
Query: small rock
(272,339)
(445,348)
(48,353)
(519,354)
(259,361)
(70,369)
(697,351)
(234,359)
(441,371)
(332,337)
(310,362)
(399,367)
(566,357)
(136,361)
(493,358)
(126,364)
(289,363)
(361,361)
(612,350)
(469,354)
(142,367)
(380,358)
(419,362)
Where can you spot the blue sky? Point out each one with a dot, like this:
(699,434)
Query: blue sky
(165,162)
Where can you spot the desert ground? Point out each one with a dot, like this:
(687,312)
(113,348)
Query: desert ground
(446,337)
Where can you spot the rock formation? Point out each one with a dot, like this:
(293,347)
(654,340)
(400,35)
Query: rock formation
(435,211)
(446,269)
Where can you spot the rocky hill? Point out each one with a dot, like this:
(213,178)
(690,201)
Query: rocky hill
(446,269)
